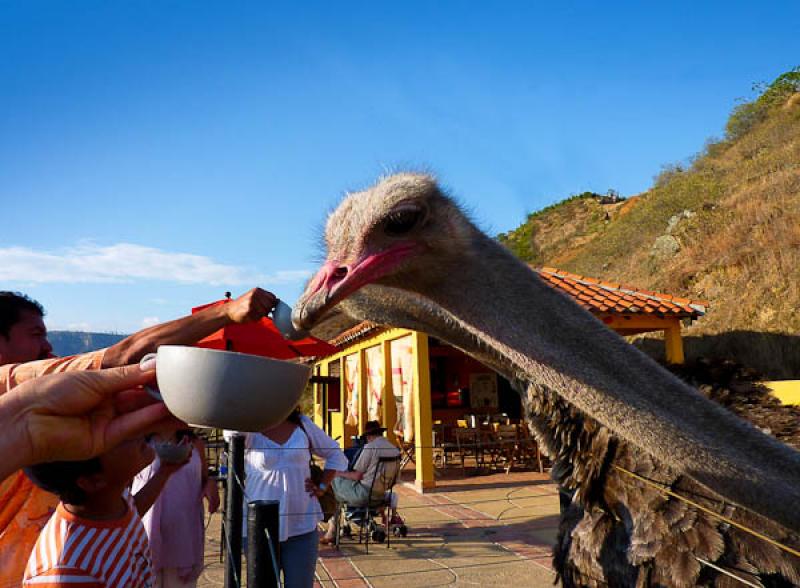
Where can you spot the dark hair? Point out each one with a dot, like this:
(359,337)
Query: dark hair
(12,304)
(296,416)
(61,477)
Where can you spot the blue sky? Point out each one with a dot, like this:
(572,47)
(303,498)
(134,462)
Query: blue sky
(155,154)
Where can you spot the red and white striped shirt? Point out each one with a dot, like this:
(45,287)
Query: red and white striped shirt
(81,553)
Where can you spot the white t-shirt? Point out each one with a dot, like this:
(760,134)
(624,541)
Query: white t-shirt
(279,472)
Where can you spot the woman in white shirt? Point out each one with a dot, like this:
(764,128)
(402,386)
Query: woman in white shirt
(277,468)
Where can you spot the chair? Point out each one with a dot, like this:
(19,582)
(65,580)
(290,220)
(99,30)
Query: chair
(508,444)
(468,443)
(364,515)
(441,447)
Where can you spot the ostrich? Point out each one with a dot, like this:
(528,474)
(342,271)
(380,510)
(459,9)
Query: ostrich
(402,253)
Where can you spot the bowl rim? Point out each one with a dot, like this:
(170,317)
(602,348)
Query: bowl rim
(236,353)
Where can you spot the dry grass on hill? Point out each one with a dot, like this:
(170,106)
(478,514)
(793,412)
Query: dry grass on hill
(738,243)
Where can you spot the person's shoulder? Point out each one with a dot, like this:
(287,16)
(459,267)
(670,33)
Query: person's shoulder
(310,426)
(46,565)
(385,443)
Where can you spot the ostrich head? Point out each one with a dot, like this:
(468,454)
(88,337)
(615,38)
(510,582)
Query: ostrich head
(401,230)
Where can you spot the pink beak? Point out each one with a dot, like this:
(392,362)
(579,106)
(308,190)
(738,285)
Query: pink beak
(336,281)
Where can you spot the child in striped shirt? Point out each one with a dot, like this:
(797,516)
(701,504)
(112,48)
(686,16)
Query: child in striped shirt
(95,538)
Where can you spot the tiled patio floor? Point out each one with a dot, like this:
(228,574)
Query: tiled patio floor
(493,530)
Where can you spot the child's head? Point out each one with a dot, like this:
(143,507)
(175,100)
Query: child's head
(75,482)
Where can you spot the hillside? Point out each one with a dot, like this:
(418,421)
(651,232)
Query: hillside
(724,228)
(73,342)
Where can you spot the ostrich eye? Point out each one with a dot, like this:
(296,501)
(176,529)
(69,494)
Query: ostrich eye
(401,221)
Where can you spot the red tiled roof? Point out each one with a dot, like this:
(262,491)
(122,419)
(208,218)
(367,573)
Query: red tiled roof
(597,296)
(354,333)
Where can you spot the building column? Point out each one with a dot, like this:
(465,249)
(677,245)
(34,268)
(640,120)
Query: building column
(347,430)
(388,406)
(674,343)
(362,391)
(321,369)
(423,420)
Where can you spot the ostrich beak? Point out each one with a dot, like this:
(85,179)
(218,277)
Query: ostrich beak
(336,281)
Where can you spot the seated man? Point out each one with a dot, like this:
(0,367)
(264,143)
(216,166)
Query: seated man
(353,487)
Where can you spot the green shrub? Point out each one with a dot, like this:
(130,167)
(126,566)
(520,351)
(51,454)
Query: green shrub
(748,114)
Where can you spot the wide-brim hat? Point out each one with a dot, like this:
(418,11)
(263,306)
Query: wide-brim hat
(374,428)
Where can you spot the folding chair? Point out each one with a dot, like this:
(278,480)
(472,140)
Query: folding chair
(364,515)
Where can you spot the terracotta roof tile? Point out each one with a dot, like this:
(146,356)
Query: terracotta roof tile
(354,333)
(615,298)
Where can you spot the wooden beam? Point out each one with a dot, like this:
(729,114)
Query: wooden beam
(642,323)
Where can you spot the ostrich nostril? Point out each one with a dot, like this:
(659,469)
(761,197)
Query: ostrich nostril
(340,272)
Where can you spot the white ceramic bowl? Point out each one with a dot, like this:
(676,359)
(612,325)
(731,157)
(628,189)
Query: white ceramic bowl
(228,390)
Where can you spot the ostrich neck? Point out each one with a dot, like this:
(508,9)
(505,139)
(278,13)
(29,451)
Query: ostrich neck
(545,335)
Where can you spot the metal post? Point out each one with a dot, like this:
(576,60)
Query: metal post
(233,513)
(263,547)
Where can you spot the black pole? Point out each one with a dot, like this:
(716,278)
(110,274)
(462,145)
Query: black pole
(262,562)
(233,512)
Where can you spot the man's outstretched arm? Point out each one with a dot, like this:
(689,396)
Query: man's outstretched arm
(187,330)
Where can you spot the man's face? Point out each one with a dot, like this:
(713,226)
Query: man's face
(27,340)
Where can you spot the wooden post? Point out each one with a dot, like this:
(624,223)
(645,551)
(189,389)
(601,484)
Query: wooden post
(423,419)
(389,409)
(325,415)
(319,403)
(347,430)
(674,343)
(362,390)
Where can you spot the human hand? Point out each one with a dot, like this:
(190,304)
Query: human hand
(77,415)
(211,494)
(313,489)
(170,458)
(251,306)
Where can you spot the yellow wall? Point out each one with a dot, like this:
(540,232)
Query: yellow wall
(787,391)
(338,426)
(422,400)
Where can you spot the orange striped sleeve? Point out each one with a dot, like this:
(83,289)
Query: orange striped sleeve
(62,577)
(12,375)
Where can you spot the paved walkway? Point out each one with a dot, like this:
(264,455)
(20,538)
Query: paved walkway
(494,530)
